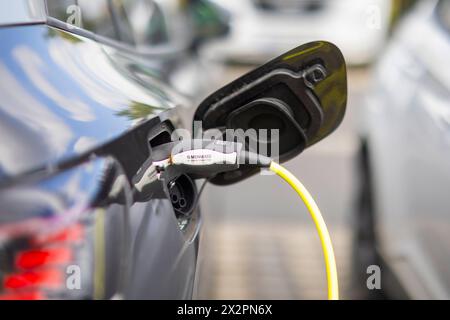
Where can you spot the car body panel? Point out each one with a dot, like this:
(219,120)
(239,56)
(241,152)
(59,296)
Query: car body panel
(407,132)
(68,103)
(61,96)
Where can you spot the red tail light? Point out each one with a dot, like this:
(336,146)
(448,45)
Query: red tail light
(52,279)
(43,257)
(73,234)
(23,296)
(47,227)
(41,233)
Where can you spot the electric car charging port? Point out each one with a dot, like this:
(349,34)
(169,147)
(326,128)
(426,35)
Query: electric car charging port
(182,192)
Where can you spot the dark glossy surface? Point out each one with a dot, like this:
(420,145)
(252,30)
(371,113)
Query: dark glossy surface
(62,96)
(76,122)
(81,211)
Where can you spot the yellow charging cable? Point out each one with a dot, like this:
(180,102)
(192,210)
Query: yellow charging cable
(327,246)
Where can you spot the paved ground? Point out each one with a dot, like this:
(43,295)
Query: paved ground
(260,240)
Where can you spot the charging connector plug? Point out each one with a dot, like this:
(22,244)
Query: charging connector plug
(207,158)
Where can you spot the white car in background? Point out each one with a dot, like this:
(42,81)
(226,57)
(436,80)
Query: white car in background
(403,219)
(261,29)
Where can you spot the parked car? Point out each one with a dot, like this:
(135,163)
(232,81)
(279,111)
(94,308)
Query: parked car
(403,220)
(83,103)
(261,29)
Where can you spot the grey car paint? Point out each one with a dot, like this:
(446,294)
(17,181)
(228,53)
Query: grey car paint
(77,117)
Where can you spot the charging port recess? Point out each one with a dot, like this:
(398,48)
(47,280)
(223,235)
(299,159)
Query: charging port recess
(182,192)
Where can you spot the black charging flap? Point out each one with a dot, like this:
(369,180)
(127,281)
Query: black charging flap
(302,94)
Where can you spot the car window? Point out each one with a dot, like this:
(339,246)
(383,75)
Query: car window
(290,5)
(96,17)
(91,15)
(443,11)
(123,23)
(147,21)
(60,9)
(106,18)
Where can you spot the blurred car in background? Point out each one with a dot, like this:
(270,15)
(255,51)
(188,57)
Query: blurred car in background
(403,219)
(261,29)
(85,96)
(174,32)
